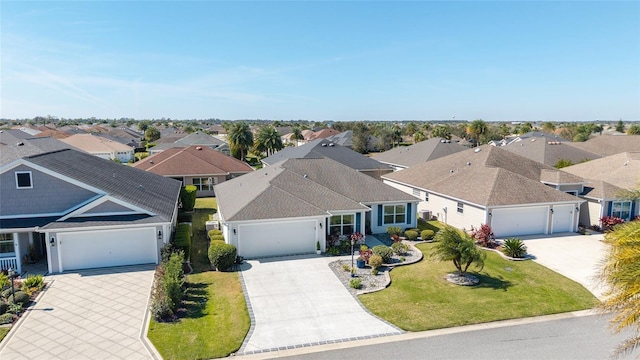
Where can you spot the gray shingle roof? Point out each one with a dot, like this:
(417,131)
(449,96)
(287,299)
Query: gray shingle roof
(488,176)
(14,145)
(301,187)
(149,191)
(543,150)
(606,145)
(406,156)
(621,170)
(321,148)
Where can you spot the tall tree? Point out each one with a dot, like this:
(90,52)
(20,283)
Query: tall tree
(268,140)
(620,126)
(442,131)
(152,134)
(360,138)
(548,127)
(296,134)
(240,139)
(477,130)
(633,130)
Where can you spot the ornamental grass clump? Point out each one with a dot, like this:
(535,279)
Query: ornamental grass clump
(514,247)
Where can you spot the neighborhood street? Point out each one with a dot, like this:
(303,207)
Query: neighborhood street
(565,336)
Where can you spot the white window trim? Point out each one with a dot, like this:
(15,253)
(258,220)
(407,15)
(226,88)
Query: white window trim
(30,180)
(395,213)
(343,224)
(460,207)
(621,203)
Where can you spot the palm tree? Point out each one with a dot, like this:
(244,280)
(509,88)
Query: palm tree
(442,131)
(620,273)
(240,139)
(457,246)
(268,140)
(477,129)
(296,134)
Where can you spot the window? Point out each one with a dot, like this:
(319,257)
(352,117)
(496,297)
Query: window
(6,245)
(23,180)
(394,214)
(204,184)
(460,207)
(621,209)
(342,225)
(426,196)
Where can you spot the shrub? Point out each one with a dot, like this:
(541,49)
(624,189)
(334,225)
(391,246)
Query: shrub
(384,251)
(217,238)
(33,282)
(3,307)
(365,253)
(4,280)
(346,267)
(411,235)
(355,283)
(20,297)
(188,197)
(394,230)
(608,222)
(160,309)
(514,248)
(333,251)
(222,256)
(399,248)
(427,234)
(14,308)
(484,236)
(6,319)
(375,261)
(174,280)
(213,232)
(374,271)
(6,293)
(184,217)
(182,239)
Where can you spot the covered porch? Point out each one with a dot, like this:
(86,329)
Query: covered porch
(23,252)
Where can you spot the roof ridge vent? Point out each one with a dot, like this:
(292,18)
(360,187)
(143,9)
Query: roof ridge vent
(477,150)
(331,144)
(324,144)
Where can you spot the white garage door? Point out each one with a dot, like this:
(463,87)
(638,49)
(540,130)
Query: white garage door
(95,249)
(283,238)
(519,221)
(562,218)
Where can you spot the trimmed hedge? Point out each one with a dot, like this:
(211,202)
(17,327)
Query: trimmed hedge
(427,234)
(20,297)
(394,230)
(411,234)
(188,197)
(6,319)
(213,232)
(375,261)
(182,239)
(221,255)
(174,279)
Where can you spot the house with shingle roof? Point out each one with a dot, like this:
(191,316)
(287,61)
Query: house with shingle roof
(607,179)
(195,139)
(287,207)
(101,147)
(320,148)
(402,157)
(80,211)
(195,165)
(606,145)
(549,152)
(489,185)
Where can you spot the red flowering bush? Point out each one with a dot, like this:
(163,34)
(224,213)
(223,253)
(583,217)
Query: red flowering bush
(608,222)
(484,236)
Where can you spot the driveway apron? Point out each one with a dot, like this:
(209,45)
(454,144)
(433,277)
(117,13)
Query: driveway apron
(297,301)
(575,256)
(89,314)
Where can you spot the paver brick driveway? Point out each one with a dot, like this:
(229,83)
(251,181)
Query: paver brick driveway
(89,314)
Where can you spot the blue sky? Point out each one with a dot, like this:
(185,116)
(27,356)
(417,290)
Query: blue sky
(321,60)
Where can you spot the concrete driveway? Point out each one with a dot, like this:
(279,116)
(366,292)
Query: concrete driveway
(298,301)
(90,314)
(575,256)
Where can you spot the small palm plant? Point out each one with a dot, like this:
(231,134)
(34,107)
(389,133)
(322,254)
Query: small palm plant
(514,247)
(457,246)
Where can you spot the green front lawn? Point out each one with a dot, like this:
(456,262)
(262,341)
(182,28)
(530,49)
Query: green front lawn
(3,332)
(419,297)
(216,319)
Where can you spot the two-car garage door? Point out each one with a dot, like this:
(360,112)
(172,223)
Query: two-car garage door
(532,220)
(274,239)
(95,249)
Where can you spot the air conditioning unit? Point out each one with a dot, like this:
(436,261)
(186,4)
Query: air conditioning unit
(425,215)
